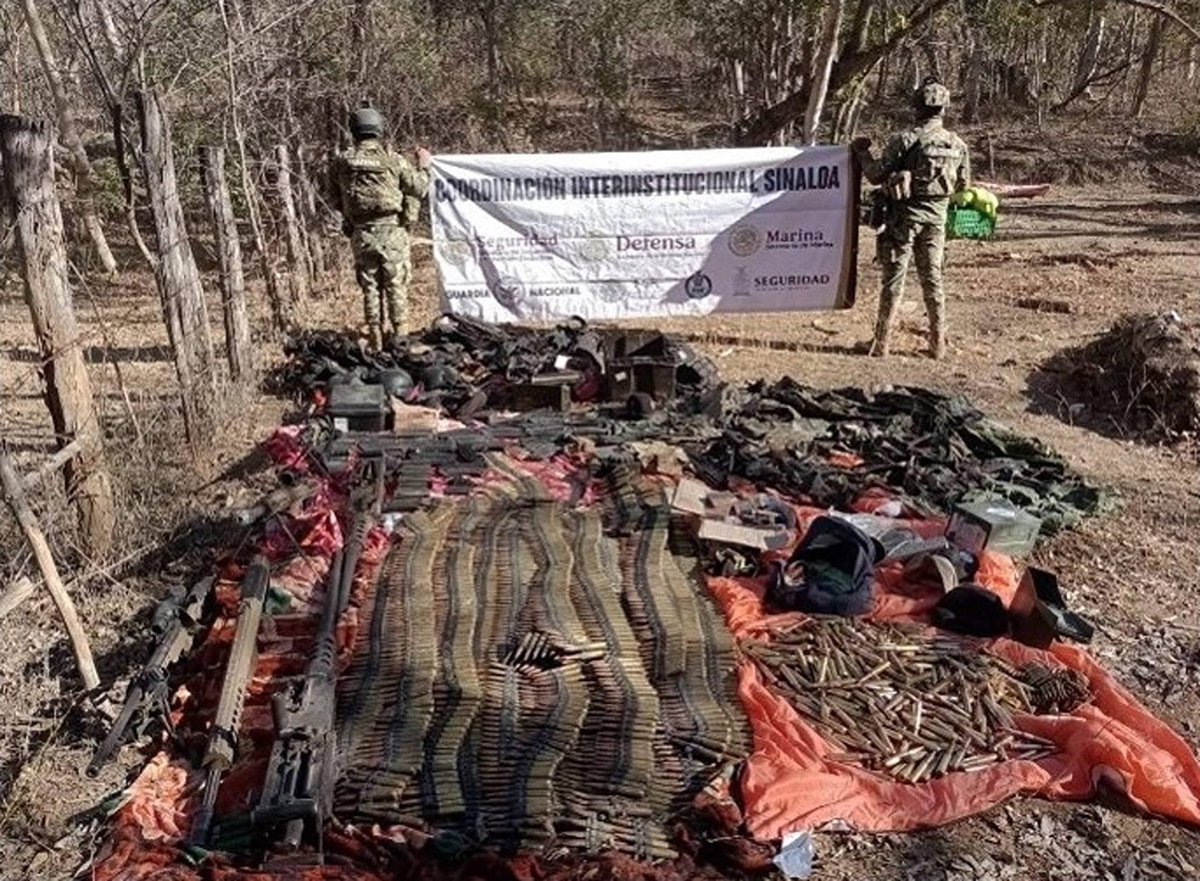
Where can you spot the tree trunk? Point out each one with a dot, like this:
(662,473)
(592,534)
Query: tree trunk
(358,48)
(491,40)
(298,269)
(312,217)
(279,308)
(1089,57)
(71,139)
(32,203)
(823,70)
(238,348)
(178,279)
(1146,74)
(109,28)
(976,31)
(859,25)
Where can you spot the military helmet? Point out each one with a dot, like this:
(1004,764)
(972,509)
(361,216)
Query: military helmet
(931,95)
(366,122)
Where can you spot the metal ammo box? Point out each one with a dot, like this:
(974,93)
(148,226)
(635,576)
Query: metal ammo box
(356,406)
(993,525)
(640,361)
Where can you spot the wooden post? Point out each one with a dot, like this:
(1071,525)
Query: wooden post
(31,201)
(179,288)
(14,495)
(76,154)
(12,54)
(229,253)
(298,270)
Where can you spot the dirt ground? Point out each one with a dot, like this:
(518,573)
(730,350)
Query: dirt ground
(1102,249)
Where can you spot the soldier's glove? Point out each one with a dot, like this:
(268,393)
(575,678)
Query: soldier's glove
(347,228)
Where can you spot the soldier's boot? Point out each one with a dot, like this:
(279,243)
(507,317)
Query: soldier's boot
(937,339)
(935,305)
(889,305)
(375,336)
(398,328)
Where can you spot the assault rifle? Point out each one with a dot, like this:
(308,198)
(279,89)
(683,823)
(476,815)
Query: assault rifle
(222,742)
(302,770)
(175,623)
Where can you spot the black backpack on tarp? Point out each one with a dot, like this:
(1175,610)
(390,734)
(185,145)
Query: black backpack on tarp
(830,571)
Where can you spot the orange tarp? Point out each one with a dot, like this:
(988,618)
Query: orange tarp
(787,783)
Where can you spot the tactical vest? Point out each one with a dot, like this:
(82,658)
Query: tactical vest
(934,160)
(371,185)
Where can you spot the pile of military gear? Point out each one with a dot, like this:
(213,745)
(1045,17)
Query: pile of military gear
(467,367)
(1139,378)
(932,450)
(825,446)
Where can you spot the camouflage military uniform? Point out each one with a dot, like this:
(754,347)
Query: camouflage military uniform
(379,193)
(939,165)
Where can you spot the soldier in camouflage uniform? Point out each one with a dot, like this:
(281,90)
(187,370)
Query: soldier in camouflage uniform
(379,193)
(920,169)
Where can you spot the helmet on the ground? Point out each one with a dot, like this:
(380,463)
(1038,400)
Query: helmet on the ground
(366,122)
(396,381)
(931,95)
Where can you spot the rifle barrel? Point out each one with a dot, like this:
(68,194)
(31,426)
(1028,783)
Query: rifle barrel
(222,742)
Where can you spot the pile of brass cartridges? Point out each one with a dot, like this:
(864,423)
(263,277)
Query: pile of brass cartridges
(901,701)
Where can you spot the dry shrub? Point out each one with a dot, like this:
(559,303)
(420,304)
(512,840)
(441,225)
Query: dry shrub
(1142,376)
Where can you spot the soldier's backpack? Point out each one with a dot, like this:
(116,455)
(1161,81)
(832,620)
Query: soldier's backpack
(830,572)
(372,187)
(934,161)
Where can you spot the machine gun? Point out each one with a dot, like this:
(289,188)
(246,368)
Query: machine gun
(302,770)
(222,742)
(175,623)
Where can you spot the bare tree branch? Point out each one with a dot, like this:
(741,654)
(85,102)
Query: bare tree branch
(1155,7)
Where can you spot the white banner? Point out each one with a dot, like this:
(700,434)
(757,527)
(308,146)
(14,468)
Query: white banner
(625,235)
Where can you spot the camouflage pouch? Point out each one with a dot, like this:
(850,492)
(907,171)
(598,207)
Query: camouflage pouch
(877,209)
(411,212)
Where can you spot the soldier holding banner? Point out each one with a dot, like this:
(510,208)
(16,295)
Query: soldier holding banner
(920,170)
(379,194)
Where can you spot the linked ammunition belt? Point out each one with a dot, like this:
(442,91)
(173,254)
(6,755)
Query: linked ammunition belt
(526,679)
(387,701)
